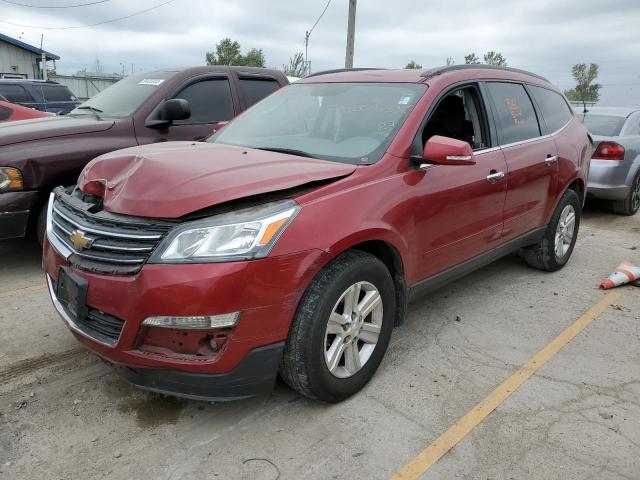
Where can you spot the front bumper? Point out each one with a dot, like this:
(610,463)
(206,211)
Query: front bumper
(255,375)
(608,179)
(14,213)
(265,291)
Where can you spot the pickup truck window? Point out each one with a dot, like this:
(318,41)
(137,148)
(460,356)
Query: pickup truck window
(345,122)
(210,101)
(255,89)
(124,97)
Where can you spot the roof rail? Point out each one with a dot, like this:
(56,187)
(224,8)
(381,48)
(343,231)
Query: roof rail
(432,72)
(340,70)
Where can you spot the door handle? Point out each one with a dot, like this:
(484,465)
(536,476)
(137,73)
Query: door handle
(551,159)
(495,176)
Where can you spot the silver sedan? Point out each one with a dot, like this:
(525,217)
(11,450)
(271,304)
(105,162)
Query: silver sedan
(615,165)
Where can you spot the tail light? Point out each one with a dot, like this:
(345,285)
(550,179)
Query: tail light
(608,151)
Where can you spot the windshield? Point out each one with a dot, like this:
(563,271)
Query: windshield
(124,97)
(603,125)
(347,122)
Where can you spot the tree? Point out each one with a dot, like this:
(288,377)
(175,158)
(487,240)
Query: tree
(471,59)
(296,67)
(495,58)
(450,61)
(413,65)
(585,90)
(228,53)
(253,58)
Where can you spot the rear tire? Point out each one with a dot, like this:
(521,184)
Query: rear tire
(630,205)
(332,350)
(554,250)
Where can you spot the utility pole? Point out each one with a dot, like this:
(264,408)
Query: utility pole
(351,30)
(43,59)
(306,52)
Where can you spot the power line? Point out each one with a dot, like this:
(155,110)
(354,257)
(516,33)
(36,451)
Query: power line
(54,6)
(319,18)
(307,34)
(92,24)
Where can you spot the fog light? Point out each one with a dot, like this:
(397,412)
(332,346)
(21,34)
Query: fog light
(200,322)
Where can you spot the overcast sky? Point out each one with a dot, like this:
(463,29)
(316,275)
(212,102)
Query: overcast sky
(544,36)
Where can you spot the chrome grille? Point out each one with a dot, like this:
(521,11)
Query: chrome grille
(104,243)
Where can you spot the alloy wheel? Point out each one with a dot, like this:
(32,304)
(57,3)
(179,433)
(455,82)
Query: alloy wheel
(565,231)
(353,329)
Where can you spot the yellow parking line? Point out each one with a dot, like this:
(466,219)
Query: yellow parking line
(430,455)
(33,288)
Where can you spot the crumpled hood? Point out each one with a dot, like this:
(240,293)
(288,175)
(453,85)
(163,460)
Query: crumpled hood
(172,179)
(48,127)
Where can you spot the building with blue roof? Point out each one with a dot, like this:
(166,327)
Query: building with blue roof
(21,60)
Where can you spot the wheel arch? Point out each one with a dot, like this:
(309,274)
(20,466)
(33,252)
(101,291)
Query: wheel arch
(578,186)
(388,253)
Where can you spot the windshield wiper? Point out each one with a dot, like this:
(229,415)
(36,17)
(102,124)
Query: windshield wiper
(89,107)
(289,151)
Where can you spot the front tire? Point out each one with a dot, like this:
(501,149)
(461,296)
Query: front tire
(630,205)
(41,224)
(341,329)
(554,250)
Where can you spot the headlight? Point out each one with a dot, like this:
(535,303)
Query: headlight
(10,179)
(240,235)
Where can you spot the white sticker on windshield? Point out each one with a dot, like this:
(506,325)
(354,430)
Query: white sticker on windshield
(151,81)
(404,100)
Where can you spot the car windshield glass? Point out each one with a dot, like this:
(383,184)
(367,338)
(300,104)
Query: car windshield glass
(346,122)
(124,97)
(604,125)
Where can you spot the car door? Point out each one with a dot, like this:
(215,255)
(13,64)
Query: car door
(210,100)
(532,158)
(459,213)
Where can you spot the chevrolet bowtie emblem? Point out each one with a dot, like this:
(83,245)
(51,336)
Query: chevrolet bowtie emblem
(79,240)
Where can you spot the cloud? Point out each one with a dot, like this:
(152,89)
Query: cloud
(544,36)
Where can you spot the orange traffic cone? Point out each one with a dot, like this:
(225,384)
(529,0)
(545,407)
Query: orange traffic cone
(625,273)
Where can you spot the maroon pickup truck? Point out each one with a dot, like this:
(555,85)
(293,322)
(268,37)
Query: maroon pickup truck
(37,155)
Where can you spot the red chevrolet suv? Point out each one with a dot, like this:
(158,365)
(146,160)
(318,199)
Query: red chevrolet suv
(293,239)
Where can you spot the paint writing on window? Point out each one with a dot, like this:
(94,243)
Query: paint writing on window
(515,111)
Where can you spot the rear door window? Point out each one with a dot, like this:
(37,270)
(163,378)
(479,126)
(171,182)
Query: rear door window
(255,89)
(515,116)
(210,101)
(56,93)
(555,110)
(15,93)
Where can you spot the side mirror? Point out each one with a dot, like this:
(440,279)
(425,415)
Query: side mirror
(446,151)
(175,109)
(169,111)
(219,126)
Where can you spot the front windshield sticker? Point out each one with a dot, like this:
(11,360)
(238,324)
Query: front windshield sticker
(151,81)
(404,100)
